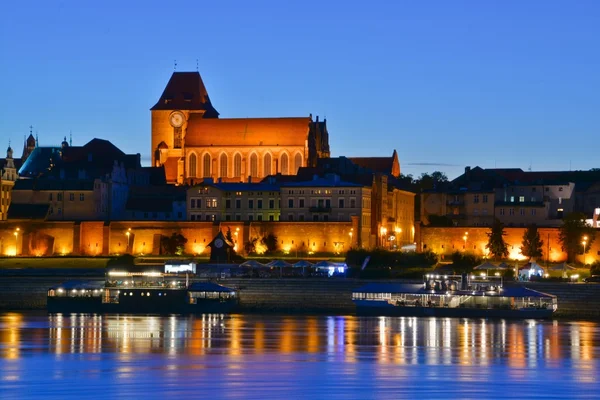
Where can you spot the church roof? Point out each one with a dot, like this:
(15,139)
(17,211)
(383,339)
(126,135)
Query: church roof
(186,91)
(379,164)
(247,131)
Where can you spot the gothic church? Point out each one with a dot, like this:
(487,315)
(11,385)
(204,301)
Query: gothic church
(192,142)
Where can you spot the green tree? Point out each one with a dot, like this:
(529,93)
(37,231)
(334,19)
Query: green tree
(174,244)
(270,242)
(531,246)
(496,244)
(573,232)
(250,246)
(228,235)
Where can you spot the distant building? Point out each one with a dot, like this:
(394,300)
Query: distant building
(515,197)
(192,142)
(222,201)
(8,176)
(156,203)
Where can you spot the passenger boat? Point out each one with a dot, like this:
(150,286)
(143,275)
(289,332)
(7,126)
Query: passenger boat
(454,296)
(142,290)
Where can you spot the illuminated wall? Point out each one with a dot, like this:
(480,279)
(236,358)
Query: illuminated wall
(445,241)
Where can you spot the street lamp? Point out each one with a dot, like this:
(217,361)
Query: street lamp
(128,234)
(584,243)
(17,241)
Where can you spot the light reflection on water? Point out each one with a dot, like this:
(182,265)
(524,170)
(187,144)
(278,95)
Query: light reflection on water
(244,356)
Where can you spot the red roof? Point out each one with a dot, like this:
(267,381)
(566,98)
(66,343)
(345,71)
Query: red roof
(387,165)
(186,91)
(247,131)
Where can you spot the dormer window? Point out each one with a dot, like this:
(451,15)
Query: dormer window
(187,97)
(168,99)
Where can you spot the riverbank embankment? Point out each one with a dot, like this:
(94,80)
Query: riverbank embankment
(27,289)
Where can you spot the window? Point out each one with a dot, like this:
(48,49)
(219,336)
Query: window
(512,199)
(254,165)
(297,162)
(81,196)
(284,164)
(341,203)
(271,217)
(59,211)
(198,203)
(177,138)
(485,198)
(193,217)
(59,196)
(193,203)
(223,165)
(267,165)
(522,211)
(238,217)
(237,165)
(227,203)
(206,166)
(208,217)
(49,197)
(511,211)
(353,203)
(521,199)
(192,166)
(259,217)
(301,203)
(316,217)
(502,211)
(227,217)
(290,217)
(250,217)
(533,211)
(301,217)
(211,203)
(560,189)
(71,196)
(238,203)
(271,204)
(251,204)
(328,203)
(476,198)
(291,203)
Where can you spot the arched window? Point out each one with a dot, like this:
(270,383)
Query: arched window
(254,165)
(206,165)
(192,166)
(285,164)
(297,162)
(267,165)
(237,165)
(223,166)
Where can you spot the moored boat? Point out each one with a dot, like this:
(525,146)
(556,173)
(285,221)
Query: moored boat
(454,296)
(142,290)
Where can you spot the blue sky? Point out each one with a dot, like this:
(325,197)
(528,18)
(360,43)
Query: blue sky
(446,83)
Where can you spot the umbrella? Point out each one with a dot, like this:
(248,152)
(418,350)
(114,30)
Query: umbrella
(302,264)
(561,267)
(325,264)
(252,264)
(279,264)
(486,266)
(504,266)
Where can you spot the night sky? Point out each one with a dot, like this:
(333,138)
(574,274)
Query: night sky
(446,83)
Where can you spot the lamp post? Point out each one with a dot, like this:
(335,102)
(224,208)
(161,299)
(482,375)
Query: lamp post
(398,232)
(585,238)
(17,241)
(128,234)
(383,231)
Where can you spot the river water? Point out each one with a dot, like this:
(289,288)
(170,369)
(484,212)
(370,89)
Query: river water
(277,357)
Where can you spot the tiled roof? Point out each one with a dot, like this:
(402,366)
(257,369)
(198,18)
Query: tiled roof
(186,91)
(28,211)
(247,131)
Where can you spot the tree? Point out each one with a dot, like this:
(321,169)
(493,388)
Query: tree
(572,233)
(531,246)
(270,242)
(496,244)
(250,245)
(174,244)
(228,235)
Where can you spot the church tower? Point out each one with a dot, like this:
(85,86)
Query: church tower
(185,94)
(8,176)
(28,146)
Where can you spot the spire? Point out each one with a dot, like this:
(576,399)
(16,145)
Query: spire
(70,138)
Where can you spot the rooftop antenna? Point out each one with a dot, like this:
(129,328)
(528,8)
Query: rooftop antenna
(70,138)
(196,64)
(174,65)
